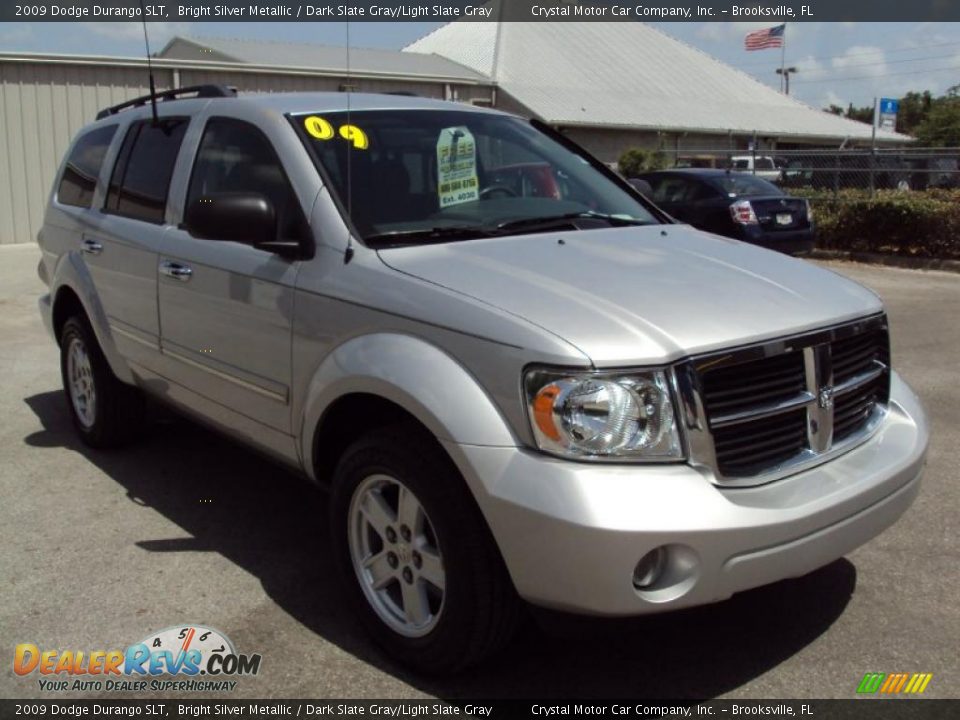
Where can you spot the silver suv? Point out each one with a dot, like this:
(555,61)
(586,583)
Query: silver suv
(517,377)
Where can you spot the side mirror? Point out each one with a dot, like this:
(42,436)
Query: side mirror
(248,218)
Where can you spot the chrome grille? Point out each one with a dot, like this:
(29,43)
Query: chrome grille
(852,358)
(761,412)
(749,447)
(741,388)
(852,410)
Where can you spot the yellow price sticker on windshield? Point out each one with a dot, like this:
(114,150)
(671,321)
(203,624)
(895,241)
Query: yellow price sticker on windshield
(318,127)
(322,130)
(355,135)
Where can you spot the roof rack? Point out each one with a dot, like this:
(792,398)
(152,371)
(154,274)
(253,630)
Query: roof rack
(200,91)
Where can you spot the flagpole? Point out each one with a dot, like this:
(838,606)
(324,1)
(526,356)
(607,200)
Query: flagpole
(783,57)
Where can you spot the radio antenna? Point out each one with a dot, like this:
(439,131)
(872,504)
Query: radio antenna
(348,253)
(153,88)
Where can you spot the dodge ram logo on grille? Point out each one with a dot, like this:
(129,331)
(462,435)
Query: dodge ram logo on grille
(825,398)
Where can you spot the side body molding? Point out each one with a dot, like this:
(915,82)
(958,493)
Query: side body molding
(71,272)
(419,377)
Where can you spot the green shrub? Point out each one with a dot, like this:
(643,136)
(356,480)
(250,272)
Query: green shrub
(635,161)
(917,224)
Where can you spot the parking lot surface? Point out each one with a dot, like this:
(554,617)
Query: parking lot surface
(99,549)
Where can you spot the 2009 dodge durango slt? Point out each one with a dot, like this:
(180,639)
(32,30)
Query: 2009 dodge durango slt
(517,384)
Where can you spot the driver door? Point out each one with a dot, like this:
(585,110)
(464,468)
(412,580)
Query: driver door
(226,307)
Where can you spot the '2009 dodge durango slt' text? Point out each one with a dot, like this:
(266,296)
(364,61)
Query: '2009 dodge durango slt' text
(517,384)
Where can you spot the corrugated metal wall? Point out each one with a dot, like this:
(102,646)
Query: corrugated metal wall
(44,104)
(42,107)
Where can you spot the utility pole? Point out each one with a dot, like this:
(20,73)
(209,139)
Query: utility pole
(786,72)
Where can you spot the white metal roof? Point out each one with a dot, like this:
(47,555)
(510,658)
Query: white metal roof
(629,75)
(324,57)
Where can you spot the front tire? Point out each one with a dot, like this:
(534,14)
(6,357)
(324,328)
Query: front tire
(105,412)
(415,556)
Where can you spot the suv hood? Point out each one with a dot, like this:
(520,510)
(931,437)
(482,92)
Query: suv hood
(640,295)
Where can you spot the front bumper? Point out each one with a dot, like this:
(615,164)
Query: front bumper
(572,533)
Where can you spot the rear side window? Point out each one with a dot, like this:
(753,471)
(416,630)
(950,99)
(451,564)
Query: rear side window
(673,189)
(141,177)
(79,178)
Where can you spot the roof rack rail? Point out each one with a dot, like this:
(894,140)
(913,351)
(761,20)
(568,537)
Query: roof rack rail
(200,91)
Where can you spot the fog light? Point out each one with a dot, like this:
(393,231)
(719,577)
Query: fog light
(650,568)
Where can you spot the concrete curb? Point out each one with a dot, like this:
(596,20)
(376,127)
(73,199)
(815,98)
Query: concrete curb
(900,261)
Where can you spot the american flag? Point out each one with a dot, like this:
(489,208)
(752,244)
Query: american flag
(766,38)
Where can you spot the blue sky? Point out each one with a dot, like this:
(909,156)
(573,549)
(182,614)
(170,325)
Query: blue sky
(837,62)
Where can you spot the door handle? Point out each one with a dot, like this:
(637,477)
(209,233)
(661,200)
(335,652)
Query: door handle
(178,271)
(91,247)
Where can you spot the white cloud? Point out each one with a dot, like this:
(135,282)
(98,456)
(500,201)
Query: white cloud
(809,68)
(831,98)
(862,60)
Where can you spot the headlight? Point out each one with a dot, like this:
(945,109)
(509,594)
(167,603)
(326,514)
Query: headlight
(588,415)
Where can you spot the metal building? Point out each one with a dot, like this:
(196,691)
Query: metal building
(613,85)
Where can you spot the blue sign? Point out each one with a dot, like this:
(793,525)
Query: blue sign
(889,106)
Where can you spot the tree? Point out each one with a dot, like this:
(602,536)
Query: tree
(639,160)
(914,108)
(862,114)
(941,126)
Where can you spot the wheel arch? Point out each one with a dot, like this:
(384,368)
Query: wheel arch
(72,292)
(385,378)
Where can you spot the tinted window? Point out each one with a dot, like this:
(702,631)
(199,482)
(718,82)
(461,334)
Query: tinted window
(83,167)
(141,177)
(235,157)
(410,171)
(737,185)
(673,188)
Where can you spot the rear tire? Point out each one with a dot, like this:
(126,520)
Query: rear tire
(105,412)
(415,556)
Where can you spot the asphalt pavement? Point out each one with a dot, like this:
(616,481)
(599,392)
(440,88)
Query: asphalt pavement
(99,549)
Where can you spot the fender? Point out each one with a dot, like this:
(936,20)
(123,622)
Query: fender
(416,375)
(72,272)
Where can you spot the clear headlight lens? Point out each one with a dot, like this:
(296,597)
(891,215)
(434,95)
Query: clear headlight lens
(593,415)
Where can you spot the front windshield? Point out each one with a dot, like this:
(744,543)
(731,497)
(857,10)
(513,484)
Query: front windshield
(736,185)
(419,175)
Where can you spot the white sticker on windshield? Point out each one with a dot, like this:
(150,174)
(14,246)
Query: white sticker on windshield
(456,167)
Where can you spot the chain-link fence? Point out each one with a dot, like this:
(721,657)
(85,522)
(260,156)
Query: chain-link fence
(832,170)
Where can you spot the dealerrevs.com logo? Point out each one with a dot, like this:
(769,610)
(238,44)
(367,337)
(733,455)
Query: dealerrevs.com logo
(182,653)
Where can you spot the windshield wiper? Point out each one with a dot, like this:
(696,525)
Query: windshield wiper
(615,220)
(453,232)
(472,232)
